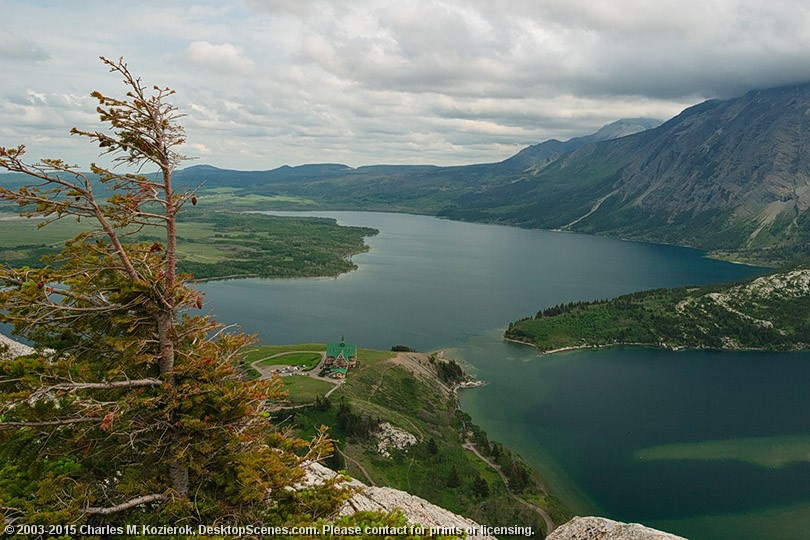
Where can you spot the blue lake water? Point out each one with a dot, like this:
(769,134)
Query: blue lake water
(582,418)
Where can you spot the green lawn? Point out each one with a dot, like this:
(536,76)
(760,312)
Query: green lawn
(304,389)
(309,359)
(372,356)
(260,352)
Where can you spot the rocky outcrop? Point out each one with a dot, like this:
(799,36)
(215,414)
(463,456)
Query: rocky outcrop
(391,438)
(418,511)
(12,349)
(596,528)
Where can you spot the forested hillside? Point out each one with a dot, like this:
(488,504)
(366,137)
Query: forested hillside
(771,312)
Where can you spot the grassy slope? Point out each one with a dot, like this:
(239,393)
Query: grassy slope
(771,312)
(409,395)
(218,244)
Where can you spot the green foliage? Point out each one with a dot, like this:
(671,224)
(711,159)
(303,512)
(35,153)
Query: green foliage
(432,447)
(769,312)
(406,392)
(449,371)
(217,244)
(453,480)
(479,488)
(134,408)
(354,424)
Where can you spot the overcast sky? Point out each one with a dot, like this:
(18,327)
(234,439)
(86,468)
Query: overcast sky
(271,82)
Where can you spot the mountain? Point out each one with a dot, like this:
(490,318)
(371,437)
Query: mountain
(731,176)
(537,156)
(531,156)
(423,189)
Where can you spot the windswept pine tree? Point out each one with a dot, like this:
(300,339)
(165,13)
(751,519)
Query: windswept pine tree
(133,409)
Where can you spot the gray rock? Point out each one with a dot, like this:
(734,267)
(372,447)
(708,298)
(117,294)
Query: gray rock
(15,348)
(596,528)
(418,511)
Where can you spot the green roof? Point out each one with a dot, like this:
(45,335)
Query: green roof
(335,349)
(339,370)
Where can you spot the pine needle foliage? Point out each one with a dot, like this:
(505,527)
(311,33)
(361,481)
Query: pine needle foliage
(133,409)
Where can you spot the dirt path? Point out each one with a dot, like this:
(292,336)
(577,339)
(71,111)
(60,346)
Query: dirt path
(547,518)
(358,465)
(338,383)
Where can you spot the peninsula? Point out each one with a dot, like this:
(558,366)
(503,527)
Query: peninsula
(766,313)
(215,244)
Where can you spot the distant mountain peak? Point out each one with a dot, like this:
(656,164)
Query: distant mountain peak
(624,127)
(538,156)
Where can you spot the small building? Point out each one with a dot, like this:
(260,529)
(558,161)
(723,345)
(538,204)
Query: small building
(338,372)
(340,357)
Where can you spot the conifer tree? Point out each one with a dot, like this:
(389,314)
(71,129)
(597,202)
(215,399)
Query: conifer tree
(133,409)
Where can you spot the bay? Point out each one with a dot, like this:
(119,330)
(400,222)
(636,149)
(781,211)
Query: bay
(430,283)
(588,420)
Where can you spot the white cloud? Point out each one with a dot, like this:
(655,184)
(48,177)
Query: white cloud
(222,57)
(200,149)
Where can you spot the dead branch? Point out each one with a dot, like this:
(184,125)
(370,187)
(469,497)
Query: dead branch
(137,501)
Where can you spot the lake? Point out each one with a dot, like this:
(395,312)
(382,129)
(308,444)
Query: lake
(705,444)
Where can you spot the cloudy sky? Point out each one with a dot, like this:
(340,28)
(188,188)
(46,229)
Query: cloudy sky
(271,82)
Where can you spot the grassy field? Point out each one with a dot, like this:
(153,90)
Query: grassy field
(215,244)
(308,359)
(303,389)
(260,352)
(233,198)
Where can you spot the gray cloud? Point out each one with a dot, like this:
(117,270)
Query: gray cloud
(13,47)
(268,82)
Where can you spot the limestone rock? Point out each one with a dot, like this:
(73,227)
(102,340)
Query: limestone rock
(392,438)
(416,510)
(596,528)
(15,348)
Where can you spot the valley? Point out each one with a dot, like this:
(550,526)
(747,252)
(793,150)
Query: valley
(728,176)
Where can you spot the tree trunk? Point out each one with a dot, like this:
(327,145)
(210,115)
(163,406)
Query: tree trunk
(178,473)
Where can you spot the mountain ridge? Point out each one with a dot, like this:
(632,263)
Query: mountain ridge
(730,176)
(724,175)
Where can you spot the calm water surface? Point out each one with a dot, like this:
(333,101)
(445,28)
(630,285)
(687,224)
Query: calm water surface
(588,420)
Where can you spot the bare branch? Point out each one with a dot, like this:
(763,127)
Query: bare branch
(48,423)
(137,501)
(105,386)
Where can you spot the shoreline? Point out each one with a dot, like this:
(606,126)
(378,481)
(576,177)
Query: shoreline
(582,347)
(676,348)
